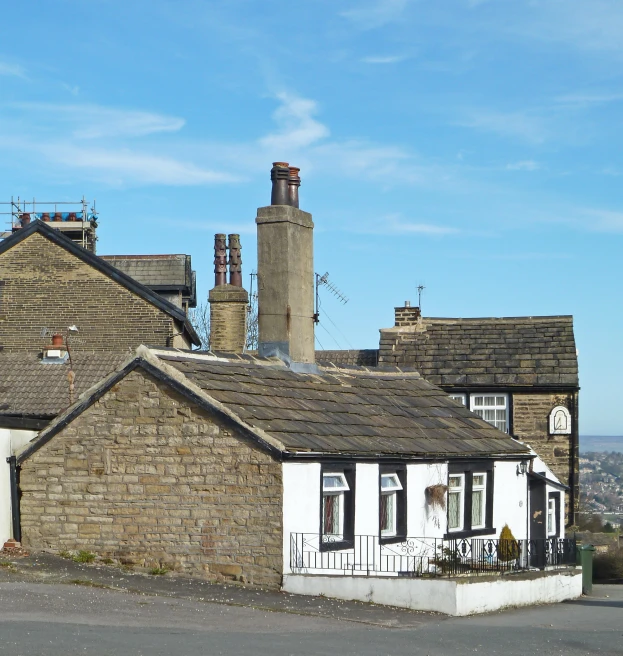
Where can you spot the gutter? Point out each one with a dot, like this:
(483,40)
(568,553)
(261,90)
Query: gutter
(549,481)
(375,457)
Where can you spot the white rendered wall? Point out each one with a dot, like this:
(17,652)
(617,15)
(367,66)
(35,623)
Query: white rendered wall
(301,502)
(11,441)
(510,499)
(367,500)
(423,521)
(450,596)
(5,486)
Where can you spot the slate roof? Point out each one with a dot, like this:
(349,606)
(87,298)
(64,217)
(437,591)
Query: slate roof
(354,411)
(359,357)
(103,267)
(30,388)
(158,272)
(506,352)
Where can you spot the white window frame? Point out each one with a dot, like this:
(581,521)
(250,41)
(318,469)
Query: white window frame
(496,406)
(334,491)
(387,491)
(461,398)
(483,490)
(551,516)
(460,491)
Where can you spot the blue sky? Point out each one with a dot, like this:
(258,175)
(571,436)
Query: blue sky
(471,146)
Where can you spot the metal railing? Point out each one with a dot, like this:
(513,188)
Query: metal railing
(367,555)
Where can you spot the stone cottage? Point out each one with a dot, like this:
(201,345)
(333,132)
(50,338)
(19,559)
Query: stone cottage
(518,373)
(213,466)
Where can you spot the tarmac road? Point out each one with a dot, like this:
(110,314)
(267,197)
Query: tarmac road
(51,619)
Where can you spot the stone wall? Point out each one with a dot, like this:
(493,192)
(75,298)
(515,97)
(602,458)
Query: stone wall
(559,452)
(145,478)
(45,286)
(228,318)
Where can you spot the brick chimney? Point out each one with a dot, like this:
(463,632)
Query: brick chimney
(228,302)
(407,315)
(285,271)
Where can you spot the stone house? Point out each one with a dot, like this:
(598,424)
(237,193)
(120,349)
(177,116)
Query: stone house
(518,373)
(49,282)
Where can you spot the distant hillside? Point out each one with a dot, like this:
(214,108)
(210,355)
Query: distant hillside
(601,443)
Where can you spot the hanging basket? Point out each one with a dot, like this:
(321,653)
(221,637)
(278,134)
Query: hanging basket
(436,496)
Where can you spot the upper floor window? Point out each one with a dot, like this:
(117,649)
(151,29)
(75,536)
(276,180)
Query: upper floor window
(461,398)
(493,408)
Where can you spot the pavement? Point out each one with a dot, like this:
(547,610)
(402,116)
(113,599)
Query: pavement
(46,568)
(52,607)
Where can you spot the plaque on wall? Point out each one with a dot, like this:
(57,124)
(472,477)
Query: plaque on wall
(560,421)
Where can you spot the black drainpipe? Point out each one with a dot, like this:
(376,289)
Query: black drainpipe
(17,528)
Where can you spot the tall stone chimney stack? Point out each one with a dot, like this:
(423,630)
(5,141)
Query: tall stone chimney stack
(285,271)
(228,302)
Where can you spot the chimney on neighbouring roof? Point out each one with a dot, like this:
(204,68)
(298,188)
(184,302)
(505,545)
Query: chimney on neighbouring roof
(294,182)
(228,302)
(407,315)
(285,271)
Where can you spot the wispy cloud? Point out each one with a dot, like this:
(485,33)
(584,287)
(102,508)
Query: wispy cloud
(596,25)
(131,147)
(96,122)
(397,225)
(522,125)
(389,59)
(599,220)
(298,127)
(120,166)
(12,70)
(587,100)
(376,14)
(524,165)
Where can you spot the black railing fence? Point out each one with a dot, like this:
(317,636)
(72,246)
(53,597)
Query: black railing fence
(367,555)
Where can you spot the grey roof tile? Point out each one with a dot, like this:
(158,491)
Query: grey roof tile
(31,388)
(354,411)
(497,351)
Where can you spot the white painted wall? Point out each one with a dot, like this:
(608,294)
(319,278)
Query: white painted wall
(510,499)
(367,499)
(11,441)
(301,502)
(423,521)
(302,498)
(450,596)
(5,486)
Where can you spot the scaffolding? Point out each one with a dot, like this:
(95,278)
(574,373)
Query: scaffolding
(76,220)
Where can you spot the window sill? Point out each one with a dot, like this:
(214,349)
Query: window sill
(391,539)
(337,545)
(472,533)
